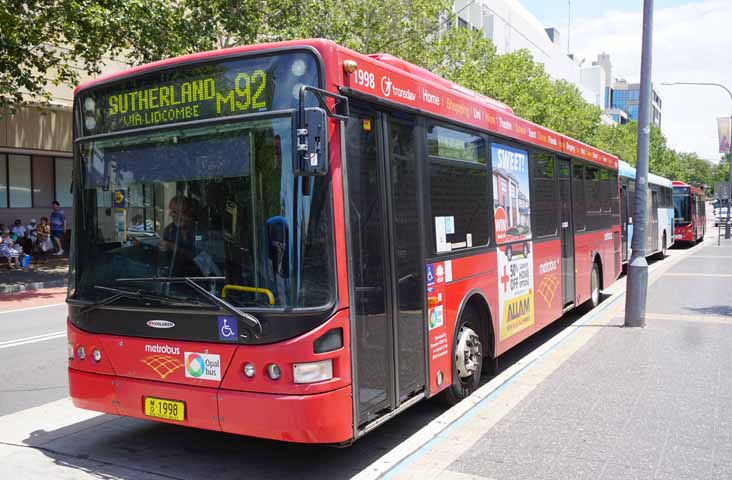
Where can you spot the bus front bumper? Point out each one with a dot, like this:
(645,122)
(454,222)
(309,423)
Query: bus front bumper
(318,418)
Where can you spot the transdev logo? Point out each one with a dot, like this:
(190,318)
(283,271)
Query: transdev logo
(202,366)
(160,324)
(157,348)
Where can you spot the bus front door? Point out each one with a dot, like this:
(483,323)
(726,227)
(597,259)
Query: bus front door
(386,260)
(566,234)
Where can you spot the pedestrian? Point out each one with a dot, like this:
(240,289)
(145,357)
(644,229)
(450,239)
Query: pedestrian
(58,226)
(30,233)
(43,233)
(19,231)
(13,253)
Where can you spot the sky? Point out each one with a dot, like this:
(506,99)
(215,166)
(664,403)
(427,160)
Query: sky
(692,42)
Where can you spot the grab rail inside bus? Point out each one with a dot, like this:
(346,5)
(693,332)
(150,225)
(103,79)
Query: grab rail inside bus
(241,288)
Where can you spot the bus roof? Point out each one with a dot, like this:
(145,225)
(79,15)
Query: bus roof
(625,170)
(693,189)
(395,80)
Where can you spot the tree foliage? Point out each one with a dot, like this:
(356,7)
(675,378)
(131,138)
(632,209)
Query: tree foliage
(46,42)
(621,140)
(467,58)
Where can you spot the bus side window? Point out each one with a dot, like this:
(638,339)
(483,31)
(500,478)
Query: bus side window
(545,204)
(578,198)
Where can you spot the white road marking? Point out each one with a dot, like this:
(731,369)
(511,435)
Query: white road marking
(37,338)
(31,308)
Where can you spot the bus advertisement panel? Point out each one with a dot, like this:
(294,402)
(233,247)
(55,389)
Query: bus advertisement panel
(512,216)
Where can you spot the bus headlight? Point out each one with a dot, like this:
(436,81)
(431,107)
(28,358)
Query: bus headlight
(71,351)
(312,372)
(249,370)
(97,355)
(81,352)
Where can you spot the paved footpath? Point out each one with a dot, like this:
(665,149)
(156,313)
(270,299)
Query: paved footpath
(607,402)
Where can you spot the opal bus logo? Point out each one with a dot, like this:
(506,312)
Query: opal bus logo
(194,365)
(202,366)
(160,324)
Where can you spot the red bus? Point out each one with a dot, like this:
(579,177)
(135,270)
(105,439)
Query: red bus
(295,241)
(690,213)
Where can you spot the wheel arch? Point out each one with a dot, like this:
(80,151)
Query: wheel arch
(476,298)
(597,259)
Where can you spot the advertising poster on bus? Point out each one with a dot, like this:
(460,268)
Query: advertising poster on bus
(512,214)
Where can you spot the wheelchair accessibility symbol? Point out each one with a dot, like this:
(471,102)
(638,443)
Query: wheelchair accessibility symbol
(227,328)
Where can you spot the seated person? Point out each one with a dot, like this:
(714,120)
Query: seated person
(178,242)
(10,250)
(43,235)
(19,232)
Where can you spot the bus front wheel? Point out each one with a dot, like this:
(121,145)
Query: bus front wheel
(467,358)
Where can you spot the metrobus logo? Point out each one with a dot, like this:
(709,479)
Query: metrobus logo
(157,348)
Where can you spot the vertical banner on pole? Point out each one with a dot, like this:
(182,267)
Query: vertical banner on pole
(724,131)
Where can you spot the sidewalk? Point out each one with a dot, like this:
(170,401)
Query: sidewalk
(50,272)
(610,402)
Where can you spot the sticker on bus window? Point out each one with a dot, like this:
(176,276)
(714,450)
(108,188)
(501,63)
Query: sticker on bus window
(449,225)
(441,243)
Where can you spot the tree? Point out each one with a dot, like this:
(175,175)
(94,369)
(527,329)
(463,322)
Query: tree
(467,58)
(49,42)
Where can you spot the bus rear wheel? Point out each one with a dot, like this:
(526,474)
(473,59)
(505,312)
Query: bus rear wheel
(467,358)
(595,286)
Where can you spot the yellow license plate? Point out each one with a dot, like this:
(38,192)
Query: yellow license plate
(167,409)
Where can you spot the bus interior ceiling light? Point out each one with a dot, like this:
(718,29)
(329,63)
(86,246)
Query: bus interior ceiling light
(312,372)
(273,370)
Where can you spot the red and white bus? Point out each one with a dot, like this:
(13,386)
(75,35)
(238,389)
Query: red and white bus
(295,241)
(690,213)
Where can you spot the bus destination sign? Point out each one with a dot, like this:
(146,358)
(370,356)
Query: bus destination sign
(198,92)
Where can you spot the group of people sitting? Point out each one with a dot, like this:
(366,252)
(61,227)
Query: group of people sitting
(19,242)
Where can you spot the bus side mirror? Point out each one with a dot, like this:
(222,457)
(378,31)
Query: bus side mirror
(311,156)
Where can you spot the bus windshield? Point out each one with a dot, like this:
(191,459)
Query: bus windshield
(682,212)
(219,202)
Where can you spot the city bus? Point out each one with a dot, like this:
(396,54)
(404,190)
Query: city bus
(295,241)
(690,213)
(660,227)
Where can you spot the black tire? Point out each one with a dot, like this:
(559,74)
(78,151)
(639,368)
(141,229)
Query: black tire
(509,253)
(595,284)
(662,254)
(464,385)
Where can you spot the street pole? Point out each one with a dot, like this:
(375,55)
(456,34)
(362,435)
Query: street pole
(729,184)
(637,283)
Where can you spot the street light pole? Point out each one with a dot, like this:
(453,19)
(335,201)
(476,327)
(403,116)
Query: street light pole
(727,232)
(637,284)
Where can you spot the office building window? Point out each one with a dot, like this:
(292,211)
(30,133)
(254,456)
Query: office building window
(63,182)
(19,181)
(42,181)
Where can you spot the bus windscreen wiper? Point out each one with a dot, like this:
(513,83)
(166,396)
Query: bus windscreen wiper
(248,318)
(136,294)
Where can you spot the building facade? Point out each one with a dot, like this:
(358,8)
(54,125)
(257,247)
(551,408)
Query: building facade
(626,97)
(510,26)
(35,155)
